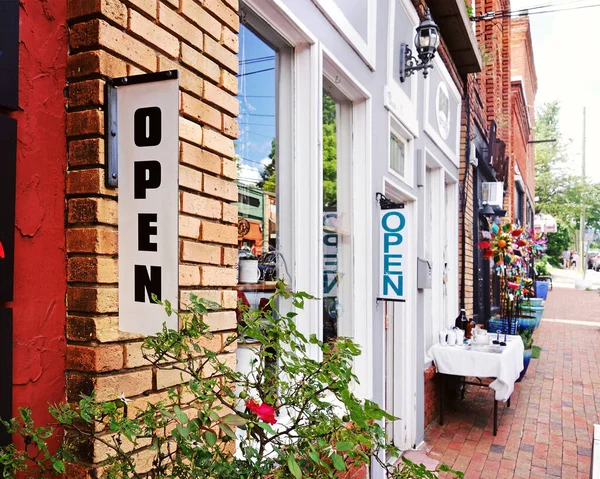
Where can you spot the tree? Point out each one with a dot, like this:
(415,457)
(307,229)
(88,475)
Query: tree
(267,183)
(329,152)
(559,192)
(557,243)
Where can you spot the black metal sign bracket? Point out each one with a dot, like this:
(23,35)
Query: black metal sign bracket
(387,204)
(111,121)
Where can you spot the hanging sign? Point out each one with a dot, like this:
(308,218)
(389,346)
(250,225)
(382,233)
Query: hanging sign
(392,256)
(8,165)
(9,54)
(147,131)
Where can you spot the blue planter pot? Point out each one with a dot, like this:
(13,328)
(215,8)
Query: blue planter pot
(527,323)
(533,302)
(535,312)
(541,289)
(526,360)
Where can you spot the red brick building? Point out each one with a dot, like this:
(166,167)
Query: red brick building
(498,119)
(63,300)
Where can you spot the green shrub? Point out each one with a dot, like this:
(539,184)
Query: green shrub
(291,416)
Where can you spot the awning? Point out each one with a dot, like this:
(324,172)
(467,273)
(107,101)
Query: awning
(544,223)
(457,32)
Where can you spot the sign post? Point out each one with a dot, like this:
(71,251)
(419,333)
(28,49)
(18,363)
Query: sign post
(147,132)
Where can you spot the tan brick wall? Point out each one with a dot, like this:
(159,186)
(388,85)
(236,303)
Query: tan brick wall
(112,38)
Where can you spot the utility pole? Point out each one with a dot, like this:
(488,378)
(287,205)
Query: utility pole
(582,258)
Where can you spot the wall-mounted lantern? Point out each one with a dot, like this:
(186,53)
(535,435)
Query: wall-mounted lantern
(487,210)
(427,40)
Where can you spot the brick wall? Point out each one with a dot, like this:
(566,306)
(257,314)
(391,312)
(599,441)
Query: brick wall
(523,66)
(432,400)
(113,38)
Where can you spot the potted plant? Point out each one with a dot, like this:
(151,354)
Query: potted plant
(527,337)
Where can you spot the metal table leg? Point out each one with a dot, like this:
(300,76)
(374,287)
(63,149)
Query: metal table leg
(442,387)
(495,416)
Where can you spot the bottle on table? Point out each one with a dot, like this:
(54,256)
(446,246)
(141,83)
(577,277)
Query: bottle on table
(462,322)
(472,325)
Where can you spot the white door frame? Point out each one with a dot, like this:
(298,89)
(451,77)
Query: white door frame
(405,331)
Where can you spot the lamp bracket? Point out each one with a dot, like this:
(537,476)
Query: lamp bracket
(387,204)
(409,64)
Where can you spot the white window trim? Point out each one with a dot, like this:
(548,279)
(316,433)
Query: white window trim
(361,185)
(366,49)
(435,321)
(428,126)
(299,88)
(396,128)
(395,98)
(452,237)
(442,180)
(405,347)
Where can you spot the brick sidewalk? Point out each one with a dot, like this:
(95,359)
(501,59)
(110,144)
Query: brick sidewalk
(547,432)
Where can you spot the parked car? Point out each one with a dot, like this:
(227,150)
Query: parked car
(591,257)
(596,264)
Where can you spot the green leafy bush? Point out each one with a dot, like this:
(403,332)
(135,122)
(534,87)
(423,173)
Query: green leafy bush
(542,267)
(527,337)
(290,416)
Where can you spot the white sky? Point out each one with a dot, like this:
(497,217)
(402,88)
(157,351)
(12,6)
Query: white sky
(567,61)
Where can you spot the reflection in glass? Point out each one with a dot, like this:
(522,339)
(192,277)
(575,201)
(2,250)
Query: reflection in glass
(331,226)
(255,154)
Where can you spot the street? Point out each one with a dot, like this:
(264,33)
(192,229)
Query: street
(547,431)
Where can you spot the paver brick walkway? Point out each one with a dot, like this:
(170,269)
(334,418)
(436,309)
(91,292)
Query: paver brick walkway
(547,432)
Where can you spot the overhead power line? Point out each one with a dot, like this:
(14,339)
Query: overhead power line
(257,60)
(528,11)
(256,114)
(254,72)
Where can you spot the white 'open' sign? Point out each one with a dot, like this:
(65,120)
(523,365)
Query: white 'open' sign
(148,146)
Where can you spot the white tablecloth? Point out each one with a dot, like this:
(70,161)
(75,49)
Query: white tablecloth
(475,362)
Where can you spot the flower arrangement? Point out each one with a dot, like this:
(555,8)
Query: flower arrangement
(291,416)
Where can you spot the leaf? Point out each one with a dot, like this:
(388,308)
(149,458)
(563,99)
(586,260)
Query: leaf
(338,462)
(344,446)
(227,430)
(180,415)
(314,456)
(58,466)
(212,415)
(210,437)
(234,420)
(183,431)
(294,467)
(266,427)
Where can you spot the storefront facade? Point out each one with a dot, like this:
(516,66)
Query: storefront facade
(310,89)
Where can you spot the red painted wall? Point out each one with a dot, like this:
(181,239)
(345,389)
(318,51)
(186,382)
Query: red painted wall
(40,259)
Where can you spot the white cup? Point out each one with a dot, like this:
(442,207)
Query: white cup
(460,336)
(452,337)
(443,337)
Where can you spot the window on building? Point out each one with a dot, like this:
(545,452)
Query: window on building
(256,152)
(400,150)
(397,154)
(519,205)
(337,239)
